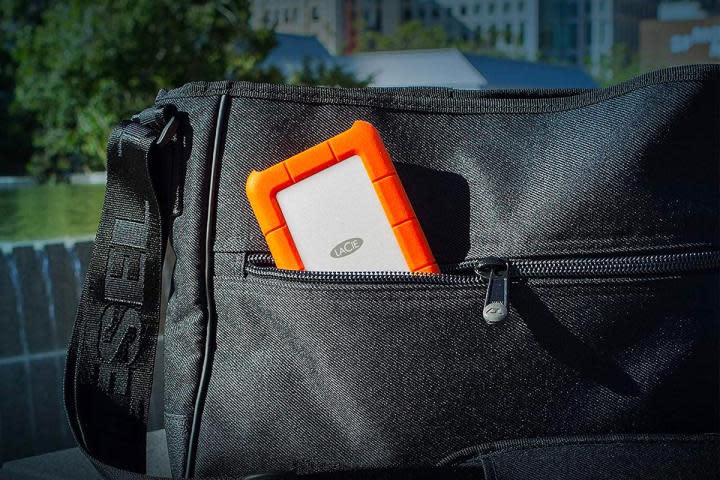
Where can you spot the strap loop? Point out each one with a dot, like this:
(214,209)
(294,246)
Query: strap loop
(109,370)
(168,132)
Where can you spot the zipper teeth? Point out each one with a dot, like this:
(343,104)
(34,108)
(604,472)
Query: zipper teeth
(261,265)
(609,266)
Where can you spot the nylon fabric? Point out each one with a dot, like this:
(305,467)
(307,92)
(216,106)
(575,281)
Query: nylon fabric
(632,173)
(187,315)
(110,360)
(599,458)
(319,378)
(629,169)
(366,376)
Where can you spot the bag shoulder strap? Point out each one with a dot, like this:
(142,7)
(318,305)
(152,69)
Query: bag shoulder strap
(109,370)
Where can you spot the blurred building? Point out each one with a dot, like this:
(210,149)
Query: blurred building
(581,31)
(440,67)
(684,32)
(677,11)
(566,31)
(292,51)
(324,19)
(711,6)
(510,26)
(333,22)
(449,67)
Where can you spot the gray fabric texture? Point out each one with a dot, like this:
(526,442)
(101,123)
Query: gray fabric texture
(612,457)
(312,376)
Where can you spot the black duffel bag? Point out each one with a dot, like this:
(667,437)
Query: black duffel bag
(598,209)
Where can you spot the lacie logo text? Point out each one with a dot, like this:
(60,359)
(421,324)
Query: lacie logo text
(346,247)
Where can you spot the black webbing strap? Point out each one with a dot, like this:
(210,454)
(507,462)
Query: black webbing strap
(109,371)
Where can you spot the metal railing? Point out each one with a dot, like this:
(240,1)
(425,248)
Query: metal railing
(40,285)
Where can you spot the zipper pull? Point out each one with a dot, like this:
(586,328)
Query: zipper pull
(496,271)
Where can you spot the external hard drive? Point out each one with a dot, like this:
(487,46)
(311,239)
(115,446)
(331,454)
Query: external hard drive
(339,206)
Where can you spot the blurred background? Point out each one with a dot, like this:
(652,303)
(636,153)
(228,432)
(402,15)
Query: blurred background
(71,70)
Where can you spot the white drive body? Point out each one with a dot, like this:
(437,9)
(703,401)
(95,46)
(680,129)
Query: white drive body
(337,222)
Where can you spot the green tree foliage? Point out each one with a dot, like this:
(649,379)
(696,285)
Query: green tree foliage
(16,124)
(617,66)
(90,63)
(313,73)
(408,36)
(414,35)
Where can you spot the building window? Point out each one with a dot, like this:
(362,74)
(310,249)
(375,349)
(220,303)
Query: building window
(546,39)
(491,8)
(478,34)
(507,34)
(287,15)
(266,17)
(573,8)
(314,14)
(520,6)
(506,7)
(435,12)
(463,10)
(521,34)
(476,9)
(601,36)
(421,13)
(601,6)
(492,35)
(407,14)
(572,32)
(588,34)
(294,14)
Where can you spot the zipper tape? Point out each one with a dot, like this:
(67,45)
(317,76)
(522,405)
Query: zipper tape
(495,273)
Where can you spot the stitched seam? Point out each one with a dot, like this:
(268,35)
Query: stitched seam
(600,442)
(178,415)
(449,291)
(534,106)
(576,285)
(622,243)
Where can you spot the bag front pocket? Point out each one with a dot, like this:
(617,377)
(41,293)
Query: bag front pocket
(496,274)
(318,371)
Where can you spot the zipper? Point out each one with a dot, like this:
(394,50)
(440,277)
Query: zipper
(262,265)
(495,273)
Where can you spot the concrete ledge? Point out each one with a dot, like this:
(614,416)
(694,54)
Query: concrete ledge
(11,182)
(94,178)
